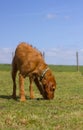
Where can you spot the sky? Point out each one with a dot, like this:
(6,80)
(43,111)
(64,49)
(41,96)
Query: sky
(53,26)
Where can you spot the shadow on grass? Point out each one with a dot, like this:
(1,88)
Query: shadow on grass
(6,96)
(17,98)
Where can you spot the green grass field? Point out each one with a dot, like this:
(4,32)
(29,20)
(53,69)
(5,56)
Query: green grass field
(64,112)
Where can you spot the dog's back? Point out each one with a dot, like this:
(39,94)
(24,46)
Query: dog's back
(27,58)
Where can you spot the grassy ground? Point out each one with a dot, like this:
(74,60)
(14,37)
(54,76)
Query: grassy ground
(64,112)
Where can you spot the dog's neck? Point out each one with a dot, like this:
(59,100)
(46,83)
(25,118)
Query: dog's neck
(43,73)
(42,70)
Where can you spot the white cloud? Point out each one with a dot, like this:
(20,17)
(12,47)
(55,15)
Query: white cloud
(81,50)
(6,50)
(62,56)
(57,16)
(51,52)
(51,16)
(52,56)
(66,17)
(6,55)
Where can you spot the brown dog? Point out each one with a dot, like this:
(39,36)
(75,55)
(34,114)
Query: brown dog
(29,62)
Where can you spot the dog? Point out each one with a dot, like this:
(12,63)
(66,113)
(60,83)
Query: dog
(30,63)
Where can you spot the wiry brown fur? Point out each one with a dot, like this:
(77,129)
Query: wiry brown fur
(29,62)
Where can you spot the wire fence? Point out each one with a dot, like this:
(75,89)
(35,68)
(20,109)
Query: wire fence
(65,58)
(51,57)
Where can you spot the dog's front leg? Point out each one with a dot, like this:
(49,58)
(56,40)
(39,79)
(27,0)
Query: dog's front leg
(21,87)
(31,88)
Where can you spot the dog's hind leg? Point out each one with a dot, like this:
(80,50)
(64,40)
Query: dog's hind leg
(13,73)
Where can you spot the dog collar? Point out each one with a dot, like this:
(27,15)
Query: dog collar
(43,73)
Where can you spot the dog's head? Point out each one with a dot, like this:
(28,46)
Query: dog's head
(48,84)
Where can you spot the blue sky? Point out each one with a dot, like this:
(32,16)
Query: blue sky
(53,26)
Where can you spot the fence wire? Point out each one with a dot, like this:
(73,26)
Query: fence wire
(51,57)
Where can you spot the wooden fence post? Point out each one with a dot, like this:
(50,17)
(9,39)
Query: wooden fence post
(12,55)
(43,54)
(77,61)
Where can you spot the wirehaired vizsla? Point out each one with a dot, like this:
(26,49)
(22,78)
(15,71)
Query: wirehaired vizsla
(30,62)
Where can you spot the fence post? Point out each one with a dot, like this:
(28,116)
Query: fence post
(43,54)
(77,61)
(12,55)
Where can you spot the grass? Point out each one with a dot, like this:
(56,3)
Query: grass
(64,112)
(5,67)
